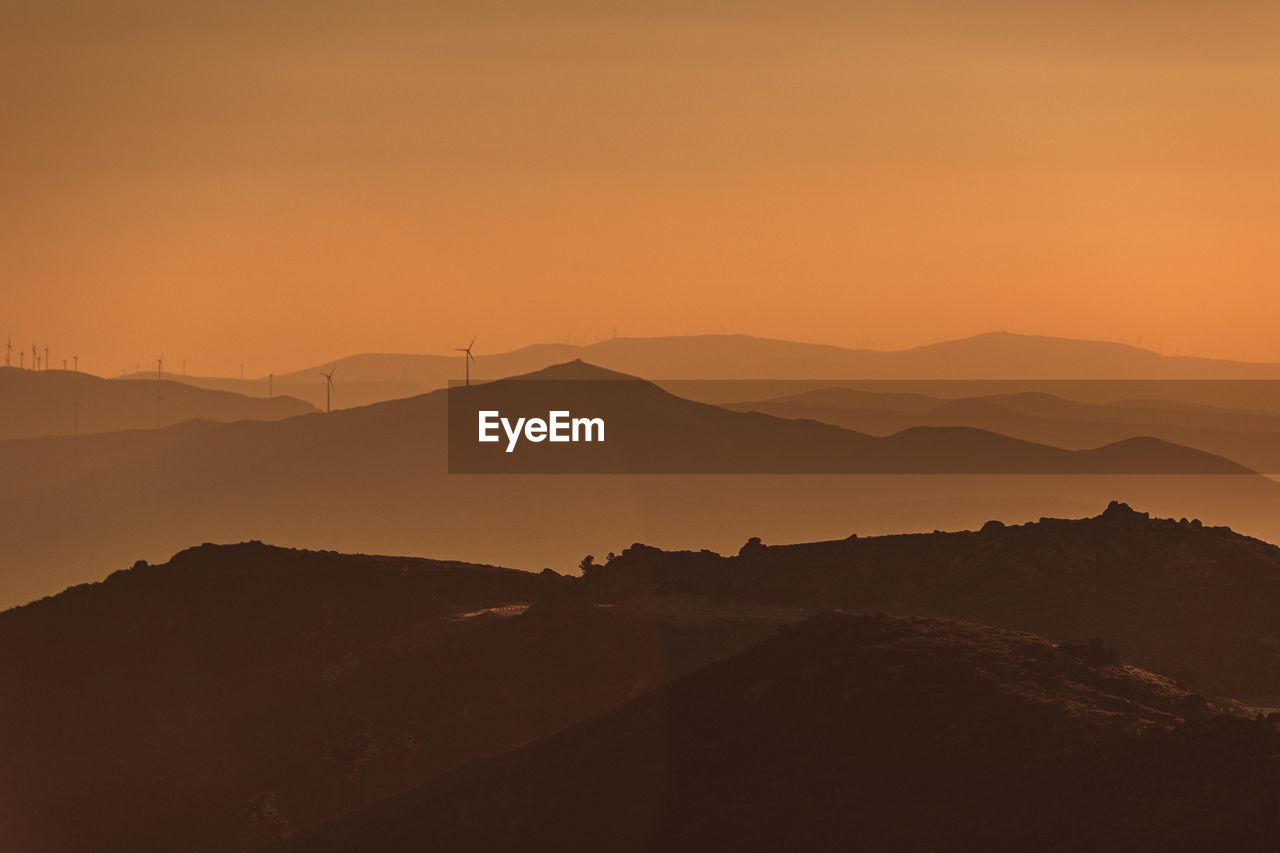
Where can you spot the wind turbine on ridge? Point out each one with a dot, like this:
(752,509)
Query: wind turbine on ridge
(328,388)
(468,358)
(160,367)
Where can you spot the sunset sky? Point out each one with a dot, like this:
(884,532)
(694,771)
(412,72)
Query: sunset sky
(281,183)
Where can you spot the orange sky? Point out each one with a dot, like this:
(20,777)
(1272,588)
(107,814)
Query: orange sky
(268,183)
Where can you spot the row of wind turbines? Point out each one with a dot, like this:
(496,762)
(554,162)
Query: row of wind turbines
(36,362)
(467,360)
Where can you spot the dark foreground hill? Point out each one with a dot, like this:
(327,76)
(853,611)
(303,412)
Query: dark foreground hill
(1194,602)
(167,707)
(143,713)
(864,733)
(63,402)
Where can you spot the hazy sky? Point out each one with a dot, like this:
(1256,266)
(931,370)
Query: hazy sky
(281,183)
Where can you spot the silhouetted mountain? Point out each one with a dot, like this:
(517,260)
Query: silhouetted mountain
(1003,355)
(375,479)
(373,377)
(1194,602)
(1251,438)
(653,431)
(36,403)
(367,378)
(144,712)
(865,733)
(994,355)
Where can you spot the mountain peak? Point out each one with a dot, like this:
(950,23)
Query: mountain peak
(1121,510)
(577,370)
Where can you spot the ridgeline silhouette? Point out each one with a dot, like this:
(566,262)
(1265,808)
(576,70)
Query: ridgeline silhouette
(145,712)
(375,377)
(863,732)
(62,402)
(1251,438)
(1179,597)
(651,431)
(237,689)
(375,479)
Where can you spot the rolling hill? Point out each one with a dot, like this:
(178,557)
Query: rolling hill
(207,702)
(374,377)
(144,712)
(651,431)
(888,734)
(1181,598)
(1251,438)
(375,479)
(60,402)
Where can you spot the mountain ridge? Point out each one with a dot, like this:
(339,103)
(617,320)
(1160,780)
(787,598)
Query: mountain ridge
(904,733)
(1250,437)
(1180,597)
(275,655)
(375,478)
(657,432)
(62,402)
(370,377)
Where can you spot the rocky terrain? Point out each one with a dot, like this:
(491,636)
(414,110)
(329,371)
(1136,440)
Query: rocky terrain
(881,733)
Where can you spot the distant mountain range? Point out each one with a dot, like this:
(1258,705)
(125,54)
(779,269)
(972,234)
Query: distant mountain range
(374,377)
(652,431)
(62,402)
(375,479)
(1251,438)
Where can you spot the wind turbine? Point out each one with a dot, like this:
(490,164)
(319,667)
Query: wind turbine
(160,367)
(35,358)
(75,363)
(46,358)
(468,358)
(328,388)
(8,352)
